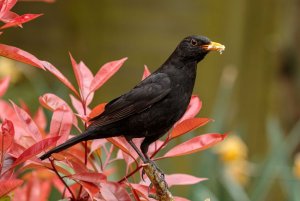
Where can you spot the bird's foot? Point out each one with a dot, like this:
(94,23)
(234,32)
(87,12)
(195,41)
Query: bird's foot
(150,162)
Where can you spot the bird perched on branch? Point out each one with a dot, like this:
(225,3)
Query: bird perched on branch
(153,106)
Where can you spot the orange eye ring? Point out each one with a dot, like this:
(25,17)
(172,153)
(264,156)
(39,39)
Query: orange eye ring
(194,42)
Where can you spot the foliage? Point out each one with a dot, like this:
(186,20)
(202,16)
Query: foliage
(82,172)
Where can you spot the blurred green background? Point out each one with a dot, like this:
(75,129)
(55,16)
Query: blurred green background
(252,89)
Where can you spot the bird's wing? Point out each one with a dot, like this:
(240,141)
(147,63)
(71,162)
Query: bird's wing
(148,92)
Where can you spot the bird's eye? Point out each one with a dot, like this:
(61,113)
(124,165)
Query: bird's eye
(194,42)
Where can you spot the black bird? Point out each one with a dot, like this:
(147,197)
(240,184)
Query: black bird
(152,107)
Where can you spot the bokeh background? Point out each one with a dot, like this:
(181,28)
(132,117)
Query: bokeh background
(252,90)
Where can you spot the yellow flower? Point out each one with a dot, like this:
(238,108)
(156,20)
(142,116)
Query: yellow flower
(296,168)
(232,149)
(238,170)
(9,68)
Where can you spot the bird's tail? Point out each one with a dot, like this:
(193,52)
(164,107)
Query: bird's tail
(82,137)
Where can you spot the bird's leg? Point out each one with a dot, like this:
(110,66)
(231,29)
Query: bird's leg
(137,150)
(155,165)
(144,147)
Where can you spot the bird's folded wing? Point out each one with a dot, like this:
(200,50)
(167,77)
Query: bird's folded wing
(148,92)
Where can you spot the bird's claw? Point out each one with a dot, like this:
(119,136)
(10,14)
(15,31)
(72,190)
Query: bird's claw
(162,174)
(143,174)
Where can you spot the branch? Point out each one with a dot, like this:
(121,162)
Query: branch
(159,183)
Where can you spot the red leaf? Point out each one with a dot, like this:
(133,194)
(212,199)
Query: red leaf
(84,78)
(96,144)
(5,165)
(90,188)
(97,110)
(180,199)
(182,179)
(195,144)
(36,149)
(118,143)
(105,72)
(5,6)
(6,136)
(7,112)
(187,126)
(4,83)
(77,105)
(113,191)
(52,69)
(52,102)
(193,109)
(61,124)
(135,193)
(91,177)
(75,162)
(40,118)
(20,55)
(143,190)
(29,124)
(16,150)
(9,185)
(146,72)
(18,21)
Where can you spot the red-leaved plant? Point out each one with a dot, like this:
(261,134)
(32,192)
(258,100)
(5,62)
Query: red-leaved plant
(80,172)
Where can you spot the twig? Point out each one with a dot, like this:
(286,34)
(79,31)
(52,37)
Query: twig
(61,179)
(85,143)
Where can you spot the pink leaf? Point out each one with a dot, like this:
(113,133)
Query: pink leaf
(16,150)
(105,72)
(182,179)
(195,144)
(187,126)
(77,165)
(28,123)
(6,136)
(84,78)
(90,188)
(4,83)
(91,177)
(176,198)
(5,6)
(35,149)
(96,144)
(77,105)
(8,16)
(146,72)
(7,162)
(9,185)
(113,191)
(143,189)
(52,69)
(118,143)
(20,55)
(193,108)
(18,21)
(52,102)
(61,124)
(40,118)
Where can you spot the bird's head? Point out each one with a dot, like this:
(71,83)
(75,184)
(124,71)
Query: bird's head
(194,48)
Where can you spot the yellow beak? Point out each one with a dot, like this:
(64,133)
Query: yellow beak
(214,46)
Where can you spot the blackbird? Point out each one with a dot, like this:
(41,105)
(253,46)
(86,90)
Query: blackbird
(153,106)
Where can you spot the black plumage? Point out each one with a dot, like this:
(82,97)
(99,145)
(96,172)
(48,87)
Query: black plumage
(153,106)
